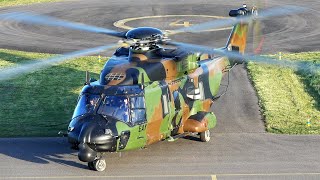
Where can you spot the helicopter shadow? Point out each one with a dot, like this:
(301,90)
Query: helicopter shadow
(40,151)
(13,58)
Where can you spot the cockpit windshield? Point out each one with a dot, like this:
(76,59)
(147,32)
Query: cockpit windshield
(115,106)
(86,104)
(129,109)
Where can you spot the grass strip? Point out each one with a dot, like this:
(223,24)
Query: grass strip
(290,100)
(6,3)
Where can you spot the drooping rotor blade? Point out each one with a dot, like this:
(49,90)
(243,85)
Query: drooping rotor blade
(301,66)
(11,72)
(258,38)
(256,26)
(30,18)
(272,12)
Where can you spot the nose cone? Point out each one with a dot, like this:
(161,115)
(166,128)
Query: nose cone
(75,127)
(92,136)
(82,129)
(86,154)
(95,131)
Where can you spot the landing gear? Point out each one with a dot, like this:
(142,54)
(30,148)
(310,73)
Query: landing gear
(205,136)
(97,165)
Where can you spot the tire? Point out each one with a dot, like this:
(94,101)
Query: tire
(205,136)
(99,165)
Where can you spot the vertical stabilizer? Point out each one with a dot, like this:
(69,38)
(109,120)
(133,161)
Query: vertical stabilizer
(238,38)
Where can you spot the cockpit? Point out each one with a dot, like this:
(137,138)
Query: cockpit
(116,107)
(128,108)
(86,104)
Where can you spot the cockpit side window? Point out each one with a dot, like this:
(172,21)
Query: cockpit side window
(86,104)
(138,111)
(116,107)
(137,102)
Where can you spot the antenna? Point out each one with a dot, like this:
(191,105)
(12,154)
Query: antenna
(87,78)
(142,80)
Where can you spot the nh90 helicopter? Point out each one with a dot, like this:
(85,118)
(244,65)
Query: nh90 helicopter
(147,93)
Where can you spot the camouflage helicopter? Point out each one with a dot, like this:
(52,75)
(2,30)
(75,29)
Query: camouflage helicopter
(147,93)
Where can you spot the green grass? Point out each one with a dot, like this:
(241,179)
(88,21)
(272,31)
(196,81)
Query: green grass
(5,3)
(41,103)
(288,98)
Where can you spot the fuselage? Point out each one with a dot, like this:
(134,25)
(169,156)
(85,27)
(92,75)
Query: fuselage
(146,94)
(142,98)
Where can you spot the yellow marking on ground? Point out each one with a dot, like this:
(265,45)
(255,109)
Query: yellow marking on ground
(213,177)
(157,176)
(122,23)
(176,23)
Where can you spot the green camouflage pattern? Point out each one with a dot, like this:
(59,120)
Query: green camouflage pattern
(177,88)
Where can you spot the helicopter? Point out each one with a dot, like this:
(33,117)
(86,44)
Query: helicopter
(147,93)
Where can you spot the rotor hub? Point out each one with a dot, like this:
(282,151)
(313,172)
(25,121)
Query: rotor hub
(144,38)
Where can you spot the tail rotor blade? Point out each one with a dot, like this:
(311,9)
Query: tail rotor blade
(29,18)
(11,72)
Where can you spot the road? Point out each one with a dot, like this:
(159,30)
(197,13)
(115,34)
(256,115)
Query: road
(240,148)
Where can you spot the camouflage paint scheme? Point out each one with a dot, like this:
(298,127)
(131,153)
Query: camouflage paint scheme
(177,88)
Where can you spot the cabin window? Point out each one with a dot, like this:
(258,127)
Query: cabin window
(165,104)
(137,102)
(138,111)
(201,91)
(138,116)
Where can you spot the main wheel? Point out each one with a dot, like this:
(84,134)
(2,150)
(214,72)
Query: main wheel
(98,165)
(205,136)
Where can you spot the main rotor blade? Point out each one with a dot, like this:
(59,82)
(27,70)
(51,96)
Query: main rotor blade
(11,72)
(272,12)
(29,18)
(301,66)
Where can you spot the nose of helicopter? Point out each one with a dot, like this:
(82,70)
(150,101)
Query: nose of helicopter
(88,151)
(86,154)
(94,136)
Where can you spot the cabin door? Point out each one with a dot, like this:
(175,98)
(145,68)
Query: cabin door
(177,117)
(138,119)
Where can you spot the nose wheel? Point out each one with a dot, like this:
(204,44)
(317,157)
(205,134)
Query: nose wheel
(205,136)
(97,165)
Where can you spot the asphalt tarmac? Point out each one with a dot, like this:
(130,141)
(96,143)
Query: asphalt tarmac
(226,156)
(240,148)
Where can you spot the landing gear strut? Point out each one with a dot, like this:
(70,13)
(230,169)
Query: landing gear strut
(97,165)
